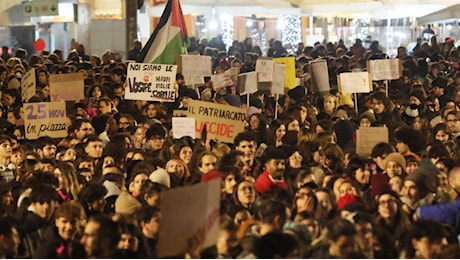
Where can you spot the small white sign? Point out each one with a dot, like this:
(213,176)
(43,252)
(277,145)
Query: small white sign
(183,126)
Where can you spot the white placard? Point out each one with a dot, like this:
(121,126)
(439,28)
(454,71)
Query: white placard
(355,82)
(319,76)
(153,82)
(279,72)
(183,126)
(221,80)
(247,82)
(384,69)
(28,85)
(264,68)
(195,68)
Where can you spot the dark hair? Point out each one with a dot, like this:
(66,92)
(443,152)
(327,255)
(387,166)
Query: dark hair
(43,193)
(274,245)
(245,136)
(340,227)
(381,149)
(91,192)
(146,213)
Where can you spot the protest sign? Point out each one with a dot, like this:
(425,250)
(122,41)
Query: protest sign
(247,83)
(183,126)
(289,80)
(154,82)
(28,85)
(45,119)
(186,210)
(221,80)
(195,68)
(319,76)
(279,72)
(264,69)
(67,87)
(368,137)
(354,82)
(384,69)
(179,113)
(223,122)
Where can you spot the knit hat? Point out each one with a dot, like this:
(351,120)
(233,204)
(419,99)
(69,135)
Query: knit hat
(187,92)
(345,200)
(379,184)
(112,189)
(419,95)
(160,176)
(345,99)
(252,110)
(297,94)
(425,176)
(411,111)
(127,204)
(14,84)
(339,113)
(211,175)
(395,157)
(369,114)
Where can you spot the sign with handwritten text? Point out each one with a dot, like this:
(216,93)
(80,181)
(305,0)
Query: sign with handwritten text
(264,69)
(153,82)
(354,82)
(195,68)
(45,119)
(384,69)
(67,87)
(28,85)
(279,73)
(183,126)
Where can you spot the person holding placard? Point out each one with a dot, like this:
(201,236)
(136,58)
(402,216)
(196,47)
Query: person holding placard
(385,112)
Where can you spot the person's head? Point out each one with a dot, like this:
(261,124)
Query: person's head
(129,237)
(246,143)
(305,200)
(379,102)
(227,240)
(275,162)
(272,212)
(156,136)
(424,239)
(409,140)
(91,197)
(125,121)
(206,161)
(101,237)
(69,220)
(341,238)
(388,205)
(150,193)
(441,133)
(185,152)
(244,193)
(149,218)
(454,179)
(81,128)
(9,238)
(93,147)
(330,103)
(452,121)
(66,174)
(136,182)
(379,153)
(46,147)
(5,146)
(278,128)
(359,170)
(394,164)
(43,199)
(177,167)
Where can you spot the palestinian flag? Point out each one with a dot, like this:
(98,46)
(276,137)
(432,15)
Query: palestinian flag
(169,39)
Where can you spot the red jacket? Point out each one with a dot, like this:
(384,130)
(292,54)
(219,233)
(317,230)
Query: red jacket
(264,183)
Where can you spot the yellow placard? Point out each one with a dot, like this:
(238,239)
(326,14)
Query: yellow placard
(289,80)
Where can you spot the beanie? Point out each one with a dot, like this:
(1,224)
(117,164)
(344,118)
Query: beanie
(395,157)
(369,114)
(160,176)
(127,204)
(211,175)
(345,200)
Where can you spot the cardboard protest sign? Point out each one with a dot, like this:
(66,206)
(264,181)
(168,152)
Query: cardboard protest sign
(45,119)
(183,126)
(289,81)
(368,137)
(179,113)
(319,76)
(67,87)
(221,80)
(186,210)
(28,85)
(279,73)
(195,68)
(223,122)
(264,69)
(354,82)
(154,82)
(247,83)
(385,69)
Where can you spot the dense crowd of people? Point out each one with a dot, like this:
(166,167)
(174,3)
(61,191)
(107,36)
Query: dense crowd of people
(292,182)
